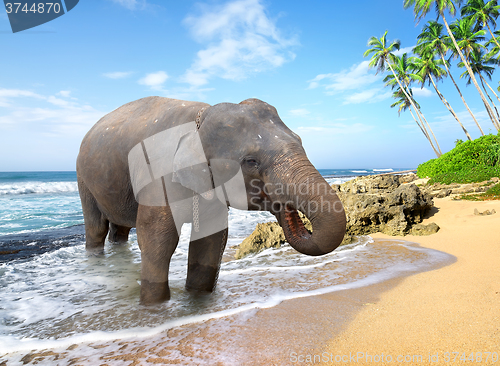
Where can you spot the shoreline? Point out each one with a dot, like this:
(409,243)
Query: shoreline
(450,309)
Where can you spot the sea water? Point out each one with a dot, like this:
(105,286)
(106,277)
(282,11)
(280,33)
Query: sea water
(53,293)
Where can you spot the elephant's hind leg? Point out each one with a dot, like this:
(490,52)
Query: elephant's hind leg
(96,225)
(118,234)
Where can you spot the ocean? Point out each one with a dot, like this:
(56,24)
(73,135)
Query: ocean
(54,294)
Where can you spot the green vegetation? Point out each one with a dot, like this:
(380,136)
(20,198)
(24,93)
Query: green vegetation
(469,161)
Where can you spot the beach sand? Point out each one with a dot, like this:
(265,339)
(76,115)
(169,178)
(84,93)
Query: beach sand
(452,309)
(455,308)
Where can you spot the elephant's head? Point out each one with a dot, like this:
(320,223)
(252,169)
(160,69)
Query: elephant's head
(278,177)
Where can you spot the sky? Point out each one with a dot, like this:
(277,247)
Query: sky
(304,58)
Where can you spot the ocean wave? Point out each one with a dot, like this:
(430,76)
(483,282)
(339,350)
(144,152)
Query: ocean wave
(359,171)
(37,187)
(383,170)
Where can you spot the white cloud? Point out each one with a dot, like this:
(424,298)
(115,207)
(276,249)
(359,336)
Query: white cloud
(241,39)
(6,94)
(117,74)
(357,76)
(368,96)
(64,93)
(354,85)
(422,92)
(299,112)
(131,4)
(56,115)
(154,80)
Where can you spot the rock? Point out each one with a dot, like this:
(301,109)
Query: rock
(372,184)
(443,193)
(349,239)
(421,229)
(267,235)
(407,178)
(444,190)
(382,205)
(484,213)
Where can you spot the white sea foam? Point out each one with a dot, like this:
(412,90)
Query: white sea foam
(37,187)
(359,171)
(383,170)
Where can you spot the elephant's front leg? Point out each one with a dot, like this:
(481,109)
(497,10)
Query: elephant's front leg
(157,237)
(204,261)
(208,241)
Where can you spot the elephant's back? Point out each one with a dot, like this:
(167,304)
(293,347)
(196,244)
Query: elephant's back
(102,163)
(128,125)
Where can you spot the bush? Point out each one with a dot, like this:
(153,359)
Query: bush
(470,161)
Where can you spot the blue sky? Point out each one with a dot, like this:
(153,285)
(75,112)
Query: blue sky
(305,58)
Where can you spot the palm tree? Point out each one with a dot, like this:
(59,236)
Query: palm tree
(429,68)
(469,41)
(422,7)
(403,104)
(483,14)
(481,65)
(432,40)
(403,67)
(493,41)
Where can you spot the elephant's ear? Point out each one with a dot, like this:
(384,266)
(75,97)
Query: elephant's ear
(190,164)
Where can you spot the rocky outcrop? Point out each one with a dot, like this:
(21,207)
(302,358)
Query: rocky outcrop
(389,204)
(439,190)
(382,204)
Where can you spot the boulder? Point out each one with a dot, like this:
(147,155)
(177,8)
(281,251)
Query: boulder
(382,204)
(422,230)
(267,235)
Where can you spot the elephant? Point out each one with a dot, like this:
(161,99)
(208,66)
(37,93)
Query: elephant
(157,163)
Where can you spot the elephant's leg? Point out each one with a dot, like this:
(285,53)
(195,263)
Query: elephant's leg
(117,233)
(204,261)
(207,245)
(157,237)
(96,224)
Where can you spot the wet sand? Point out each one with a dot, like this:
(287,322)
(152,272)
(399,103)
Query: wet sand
(455,308)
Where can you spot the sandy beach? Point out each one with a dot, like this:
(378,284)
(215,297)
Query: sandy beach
(420,319)
(435,313)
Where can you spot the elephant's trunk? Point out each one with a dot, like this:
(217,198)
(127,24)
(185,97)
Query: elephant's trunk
(314,197)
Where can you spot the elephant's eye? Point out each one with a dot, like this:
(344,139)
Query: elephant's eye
(251,162)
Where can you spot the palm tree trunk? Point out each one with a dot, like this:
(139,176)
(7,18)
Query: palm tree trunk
(491,100)
(418,124)
(469,70)
(460,93)
(488,85)
(447,105)
(432,133)
(438,152)
(492,36)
